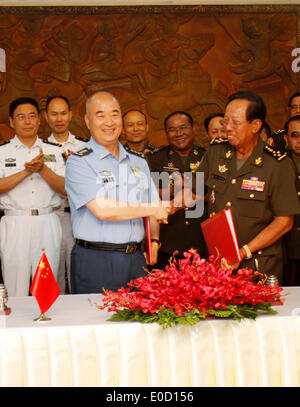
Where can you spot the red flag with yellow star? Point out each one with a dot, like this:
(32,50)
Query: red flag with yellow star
(44,286)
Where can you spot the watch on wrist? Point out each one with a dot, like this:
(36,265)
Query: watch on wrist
(248,252)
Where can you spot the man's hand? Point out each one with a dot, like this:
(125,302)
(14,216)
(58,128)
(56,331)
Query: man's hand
(36,164)
(155,248)
(161,211)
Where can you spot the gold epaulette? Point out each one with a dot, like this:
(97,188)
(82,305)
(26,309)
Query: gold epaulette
(51,142)
(218,140)
(81,138)
(131,151)
(278,155)
(156,149)
(2,143)
(84,151)
(278,131)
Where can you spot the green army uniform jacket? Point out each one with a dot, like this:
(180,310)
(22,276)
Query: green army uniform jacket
(262,188)
(180,233)
(292,238)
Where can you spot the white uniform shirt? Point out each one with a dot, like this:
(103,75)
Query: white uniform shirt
(33,192)
(72,144)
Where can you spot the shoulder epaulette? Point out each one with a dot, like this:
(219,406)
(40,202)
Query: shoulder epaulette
(84,151)
(81,138)
(278,131)
(278,155)
(156,149)
(2,143)
(51,142)
(131,151)
(218,140)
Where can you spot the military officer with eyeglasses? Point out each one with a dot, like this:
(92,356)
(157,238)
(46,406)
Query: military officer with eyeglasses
(180,156)
(254,180)
(31,185)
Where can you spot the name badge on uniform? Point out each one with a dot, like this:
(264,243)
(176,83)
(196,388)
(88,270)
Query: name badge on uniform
(49,158)
(10,162)
(253,184)
(107,177)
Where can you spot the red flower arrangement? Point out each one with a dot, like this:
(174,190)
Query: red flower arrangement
(191,289)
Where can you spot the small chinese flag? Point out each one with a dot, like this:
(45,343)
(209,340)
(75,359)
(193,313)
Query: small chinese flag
(44,286)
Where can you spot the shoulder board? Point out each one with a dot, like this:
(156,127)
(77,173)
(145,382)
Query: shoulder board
(81,138)
(134,152)
(51,142)
(84,151)
(278,155)
(218,140)
(278,131)
(4,142)
(156,149)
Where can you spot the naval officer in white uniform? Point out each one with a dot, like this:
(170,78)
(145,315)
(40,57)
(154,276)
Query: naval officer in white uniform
(31,185)
(58,115)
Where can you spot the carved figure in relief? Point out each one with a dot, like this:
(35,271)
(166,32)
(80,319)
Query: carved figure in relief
(193,84)
(259,56)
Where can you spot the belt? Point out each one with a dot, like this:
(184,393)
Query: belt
(27,212)
(128,248)
(67,210)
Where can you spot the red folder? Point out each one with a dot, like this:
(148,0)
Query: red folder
(220,236)
(148,240)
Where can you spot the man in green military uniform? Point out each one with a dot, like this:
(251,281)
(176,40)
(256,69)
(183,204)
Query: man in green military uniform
(291,275)
(255,181)
(180,156)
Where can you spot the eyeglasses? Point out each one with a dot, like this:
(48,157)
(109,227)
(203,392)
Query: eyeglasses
(235,123)
(175,130)
(23,117)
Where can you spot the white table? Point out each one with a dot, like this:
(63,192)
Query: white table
(79,347)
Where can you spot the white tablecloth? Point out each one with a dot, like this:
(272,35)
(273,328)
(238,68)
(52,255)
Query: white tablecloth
(79,347)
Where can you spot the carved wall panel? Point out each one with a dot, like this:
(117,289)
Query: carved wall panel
(157,60)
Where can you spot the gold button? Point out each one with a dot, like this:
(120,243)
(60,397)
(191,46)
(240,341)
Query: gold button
(259,252)
(186,209)
(298,193)
(251,195)
(297,228)
(228,204)
(233,181)
(187,222)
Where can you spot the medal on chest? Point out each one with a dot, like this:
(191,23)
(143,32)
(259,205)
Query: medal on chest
(253,184)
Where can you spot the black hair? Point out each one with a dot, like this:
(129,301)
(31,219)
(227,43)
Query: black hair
(179,112)
(135,110)
(22,101)
(292,97)
(291,119)
(57,97)
(256,108)
(267,129)
(209,118)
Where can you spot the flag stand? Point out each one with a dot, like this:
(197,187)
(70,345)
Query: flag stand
(42,318)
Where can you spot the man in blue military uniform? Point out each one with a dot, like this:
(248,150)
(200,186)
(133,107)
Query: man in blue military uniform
(110,191)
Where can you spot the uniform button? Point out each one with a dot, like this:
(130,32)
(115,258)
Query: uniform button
(187,222)
(297,228)
(259,252)
(251,195)
(298,193)
(186,209)
(233,181)
(228,204)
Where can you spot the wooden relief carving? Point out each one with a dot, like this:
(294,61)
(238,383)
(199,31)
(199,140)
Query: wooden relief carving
(157,62)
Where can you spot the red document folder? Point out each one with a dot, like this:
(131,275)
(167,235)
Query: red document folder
(148,240)
(220,237)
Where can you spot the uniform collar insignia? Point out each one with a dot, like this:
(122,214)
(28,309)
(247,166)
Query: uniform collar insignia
(222,168)
(258,161)
(228,154)
(196,152)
